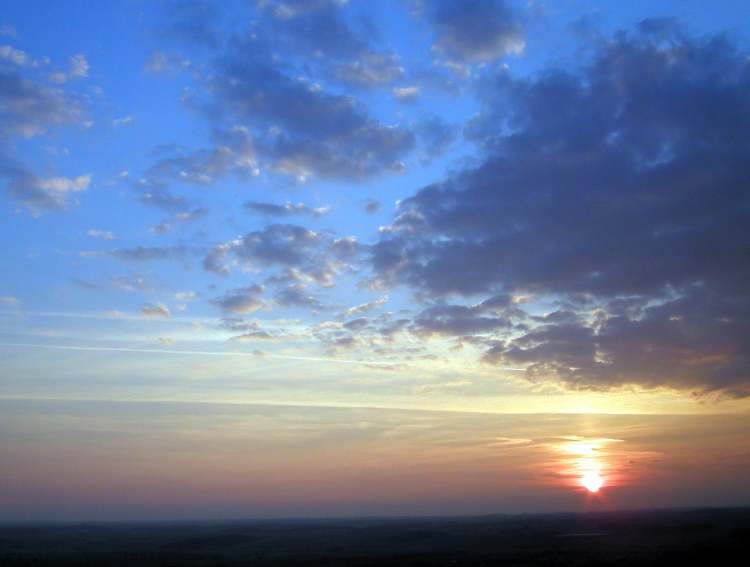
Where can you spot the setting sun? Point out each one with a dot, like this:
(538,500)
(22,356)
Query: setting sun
(592,481)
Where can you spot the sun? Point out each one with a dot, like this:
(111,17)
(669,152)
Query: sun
(592,481)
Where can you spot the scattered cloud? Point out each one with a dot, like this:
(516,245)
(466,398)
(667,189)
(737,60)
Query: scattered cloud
(156,311)
(101,234)
(285,210)
(242,300)
(624,206)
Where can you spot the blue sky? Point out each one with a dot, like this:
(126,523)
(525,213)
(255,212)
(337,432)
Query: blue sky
(286,184)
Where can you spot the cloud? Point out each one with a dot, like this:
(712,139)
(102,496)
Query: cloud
(185,296)
(458,320)
(29,109)
(474,31)
(162,62)
(101,234)
(156,194)
(312,132)
(251,336)
(9,300)
(297,296)
(193,21)
(406,94)
(619,183)
(242,300)
(124,121)
(155,311)
(79,66)
(372,206)
(15,56)
(276,244)
(150,253)
(285,210)
(435,135)
(234,153)
(40,195)
(365,307)
(371,70)
(297,254)
(132,283)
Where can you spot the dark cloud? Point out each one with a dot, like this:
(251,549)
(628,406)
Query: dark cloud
(436,135)
(697,341)
(150,253)
(195,22)
(28,108)
(297,296)
(300,256)
(267,115)
(157,194)
(624,182)
(233,153)
(473,30)
(276,244)
(342,48)
(357,324)
(312,132)
(242,300)
(457,320)
(285,210)
(371,70)
(372,206)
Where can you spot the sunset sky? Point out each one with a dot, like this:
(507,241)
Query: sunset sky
(329,257)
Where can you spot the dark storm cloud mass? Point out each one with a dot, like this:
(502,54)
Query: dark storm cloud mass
(626,182)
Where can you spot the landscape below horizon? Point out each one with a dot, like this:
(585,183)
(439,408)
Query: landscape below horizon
(664,537)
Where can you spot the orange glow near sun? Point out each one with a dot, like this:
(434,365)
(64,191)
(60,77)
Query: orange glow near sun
(586,465)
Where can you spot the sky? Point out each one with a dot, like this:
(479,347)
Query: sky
(329,257)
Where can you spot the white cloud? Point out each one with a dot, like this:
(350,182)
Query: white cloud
(15,56)
(79,66)
(406,94)
(50,194)
(102,234)
(124,121)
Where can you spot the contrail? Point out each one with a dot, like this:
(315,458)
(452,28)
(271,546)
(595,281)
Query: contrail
(218,353)
(199,353)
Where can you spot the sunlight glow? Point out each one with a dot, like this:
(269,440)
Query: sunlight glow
(592,481)
(587,464)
